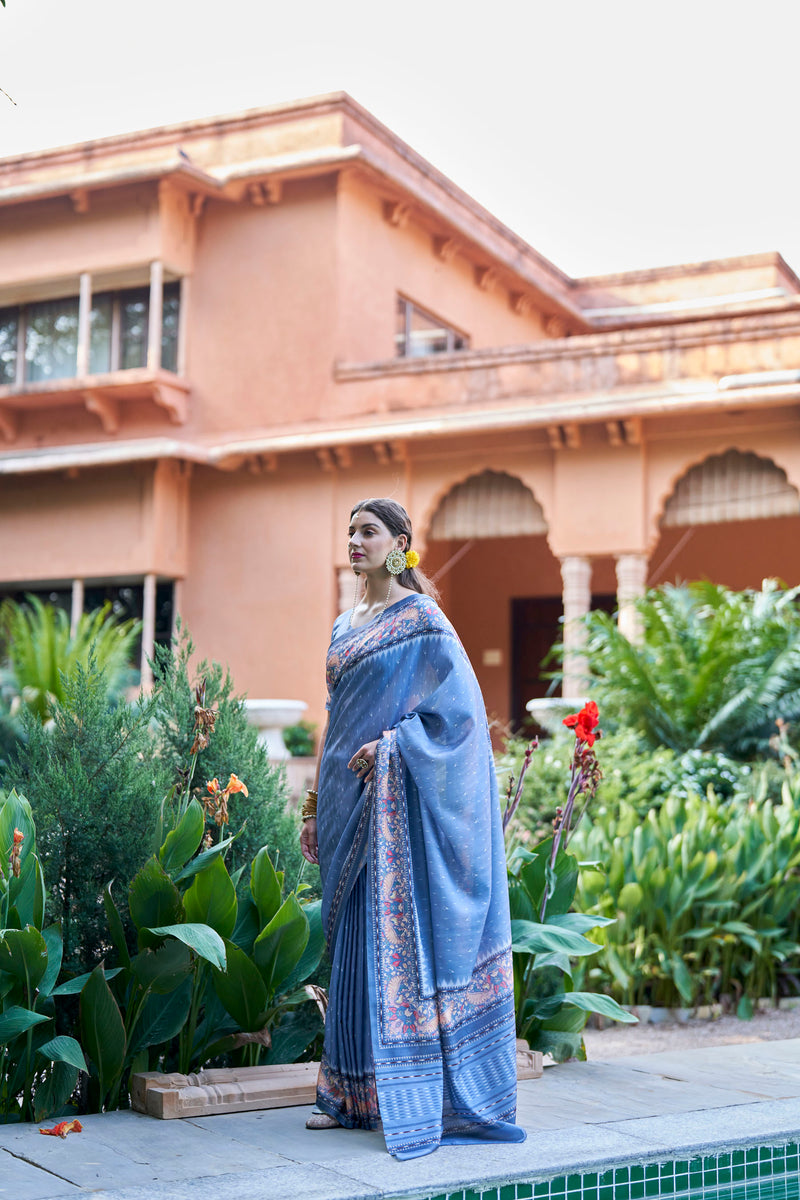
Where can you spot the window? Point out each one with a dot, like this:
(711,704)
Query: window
(9,331)
(117,339)
(419,332)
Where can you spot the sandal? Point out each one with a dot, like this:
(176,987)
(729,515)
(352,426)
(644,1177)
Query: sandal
(321,1120)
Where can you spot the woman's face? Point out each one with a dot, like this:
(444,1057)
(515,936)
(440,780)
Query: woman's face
(369,541)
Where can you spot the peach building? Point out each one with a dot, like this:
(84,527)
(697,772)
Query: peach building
(216,336)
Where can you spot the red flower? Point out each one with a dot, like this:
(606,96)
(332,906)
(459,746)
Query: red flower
(585,723)
(63,1128)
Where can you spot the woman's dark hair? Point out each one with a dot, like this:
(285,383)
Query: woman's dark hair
(398,522)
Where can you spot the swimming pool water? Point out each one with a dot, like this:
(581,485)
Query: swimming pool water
(747,1173)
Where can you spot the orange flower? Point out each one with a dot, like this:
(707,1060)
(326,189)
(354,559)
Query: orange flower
(213,785)
(235,785)
(63,1128)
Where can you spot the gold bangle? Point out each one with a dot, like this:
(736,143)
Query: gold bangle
(309,808)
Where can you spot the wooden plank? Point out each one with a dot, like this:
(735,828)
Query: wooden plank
(239,1089)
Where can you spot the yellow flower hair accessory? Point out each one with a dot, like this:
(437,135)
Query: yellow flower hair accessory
(412,559)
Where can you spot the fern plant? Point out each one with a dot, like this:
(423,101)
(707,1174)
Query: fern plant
(714,671)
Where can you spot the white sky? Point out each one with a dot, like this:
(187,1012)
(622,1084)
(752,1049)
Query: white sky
(611,134)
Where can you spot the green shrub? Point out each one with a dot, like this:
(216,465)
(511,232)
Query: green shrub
(234,748)
(299,739)
(91,782)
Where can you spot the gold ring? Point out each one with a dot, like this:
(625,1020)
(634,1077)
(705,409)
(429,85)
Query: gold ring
(361,764)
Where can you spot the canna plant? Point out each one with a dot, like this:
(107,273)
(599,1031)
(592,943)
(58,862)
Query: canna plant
(714,671)
(546,935)
(38,1069)
(706,896)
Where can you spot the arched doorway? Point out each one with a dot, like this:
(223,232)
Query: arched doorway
(733,518)
(500,583)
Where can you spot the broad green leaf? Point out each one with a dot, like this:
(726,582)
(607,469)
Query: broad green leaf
(265,887)
(528,937)
(102,1030)
(295,1032)
(204,940)
(65,1050)
(162,1018)
(211,899)
(116,928)
(182,842)
(580,922)
(55,1091)
(202,860)
(73,987)
(163,969)
(605,1005)
(23,954)
(153,898)
(16,1020)
(16,813)
(247,926)
(241,989)
(279,948)
(314,947)
(55,951)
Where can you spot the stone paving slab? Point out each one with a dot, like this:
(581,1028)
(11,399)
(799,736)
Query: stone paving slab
(20,1180)
(579,1116)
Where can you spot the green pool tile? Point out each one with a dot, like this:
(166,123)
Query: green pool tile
(492,1194)
(540,1189)
(456,1196)
(606,1193)
(524,1191)
(509,1192)
(574,1183)
(590,1187)
(738,1171)
(637,1190)
(558,1186)
(469,1194)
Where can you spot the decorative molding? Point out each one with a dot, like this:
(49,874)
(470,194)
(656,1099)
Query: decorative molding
(396,213)
(273,190)
(325,459)
(445,248)
(381,452)
(485,278)
(343,456)
(633,430)
(565,437)
(399,452)
(9,423)
(80,200)
(256,195)
(616,433)
(105,409)
(226,1089)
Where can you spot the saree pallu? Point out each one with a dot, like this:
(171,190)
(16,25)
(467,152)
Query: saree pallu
(419,1034)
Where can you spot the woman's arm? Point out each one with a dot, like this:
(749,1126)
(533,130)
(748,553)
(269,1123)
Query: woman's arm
(308,834)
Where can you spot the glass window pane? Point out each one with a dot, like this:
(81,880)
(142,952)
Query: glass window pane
(426,335)
(9,324)
(100,335)
(169,326)
(51,340)
(134,312)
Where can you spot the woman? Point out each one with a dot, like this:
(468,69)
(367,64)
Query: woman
(419,1034)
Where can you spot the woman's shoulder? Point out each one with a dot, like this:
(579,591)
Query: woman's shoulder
(428,613)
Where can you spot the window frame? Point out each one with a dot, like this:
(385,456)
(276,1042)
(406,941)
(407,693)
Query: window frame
(453,333)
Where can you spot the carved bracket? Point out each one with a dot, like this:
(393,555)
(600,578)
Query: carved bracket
(325,459)
(521,303)
(343,456)
(80,200)
(9,424)
(555,327)
(485,278)
(564,437)
(381,452)
(395,213)
(173,401)
(104,408)
(445,248)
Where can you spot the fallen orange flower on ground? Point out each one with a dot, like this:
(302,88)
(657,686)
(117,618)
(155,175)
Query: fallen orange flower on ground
(63,1128)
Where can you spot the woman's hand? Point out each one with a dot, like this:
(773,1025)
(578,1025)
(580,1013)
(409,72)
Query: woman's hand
(308,840)
(365,754)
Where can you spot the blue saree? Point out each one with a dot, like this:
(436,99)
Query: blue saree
(419,1034)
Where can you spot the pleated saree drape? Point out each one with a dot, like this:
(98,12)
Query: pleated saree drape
(419,1034)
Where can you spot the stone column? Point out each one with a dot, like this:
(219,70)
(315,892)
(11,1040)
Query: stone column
(148,629)
(76,607)
(155,316)
(84,326)
(631,585)
(576,576)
